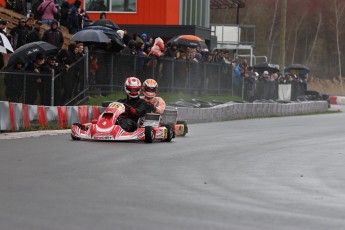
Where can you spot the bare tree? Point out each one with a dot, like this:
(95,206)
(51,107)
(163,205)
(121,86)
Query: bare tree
(296,37)
(310,56)
(339,13)
(270,36)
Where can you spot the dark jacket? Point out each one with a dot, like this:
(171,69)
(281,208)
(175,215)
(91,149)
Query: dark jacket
(54,37)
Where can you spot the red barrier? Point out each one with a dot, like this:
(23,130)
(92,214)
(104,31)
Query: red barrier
(62,116)
(26,119)
(83,114)
(12,118)
(42,120)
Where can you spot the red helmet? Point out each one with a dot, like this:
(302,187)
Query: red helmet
(150,88)
(132,87)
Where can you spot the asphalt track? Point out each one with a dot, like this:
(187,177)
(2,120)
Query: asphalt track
(274,173)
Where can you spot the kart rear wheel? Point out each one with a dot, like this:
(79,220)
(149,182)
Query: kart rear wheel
(170,133)
(185,130)
(149,135)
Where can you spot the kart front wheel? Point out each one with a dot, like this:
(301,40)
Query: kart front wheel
(149,135)
(185,127)
(170,133)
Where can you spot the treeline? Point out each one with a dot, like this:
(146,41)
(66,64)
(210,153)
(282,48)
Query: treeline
(315,32)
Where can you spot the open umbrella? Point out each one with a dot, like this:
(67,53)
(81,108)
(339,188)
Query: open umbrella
(30,50)
(112,35)
(90,36)
(296,68)
(261,67)
(188,40)
(106,23)
(5,45)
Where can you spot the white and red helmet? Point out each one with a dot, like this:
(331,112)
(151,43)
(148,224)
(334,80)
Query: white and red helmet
(132,87)
(150,88)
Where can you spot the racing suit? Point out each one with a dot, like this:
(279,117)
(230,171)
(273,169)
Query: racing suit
(157,102)
(135,108)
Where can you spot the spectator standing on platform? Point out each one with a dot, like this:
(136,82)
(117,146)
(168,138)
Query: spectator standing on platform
(34,35)
(54,36)
(49,11)
(65,14)
(19,33)
(74,18)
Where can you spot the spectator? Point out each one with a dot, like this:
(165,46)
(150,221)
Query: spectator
(126,37)
(51,66)
(54,36)
(83,19)
(34,81)
(30,22)
(34,5)
(103,15)
(3,27)
(74,18)
(14,83)
(34,35)
(18,34)
(65,14)
(20,7)
(48,11)
(157,51)
(141,60)
(172,51)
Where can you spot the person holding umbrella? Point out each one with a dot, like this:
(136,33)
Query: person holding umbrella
(34,81)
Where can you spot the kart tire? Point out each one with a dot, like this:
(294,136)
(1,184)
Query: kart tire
(185,130)
(170,133)
(149,135)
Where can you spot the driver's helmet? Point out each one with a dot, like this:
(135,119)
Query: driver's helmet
(150,88)
(132,87)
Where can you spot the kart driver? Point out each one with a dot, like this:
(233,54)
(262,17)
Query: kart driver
(135,106)
(150,89)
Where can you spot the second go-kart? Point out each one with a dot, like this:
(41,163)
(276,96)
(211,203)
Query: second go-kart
(107,127)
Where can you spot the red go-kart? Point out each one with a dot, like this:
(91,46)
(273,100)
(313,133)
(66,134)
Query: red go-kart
(106,127)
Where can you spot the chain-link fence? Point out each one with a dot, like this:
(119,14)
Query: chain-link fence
(103,73)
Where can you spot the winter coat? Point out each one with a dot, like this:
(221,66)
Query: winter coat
(50,10)
(157,48)
(54,37)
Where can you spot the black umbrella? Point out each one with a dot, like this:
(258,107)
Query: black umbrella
(112,35)
(90,36)
(30,50)
(264,66)
(301,68)
(106,23)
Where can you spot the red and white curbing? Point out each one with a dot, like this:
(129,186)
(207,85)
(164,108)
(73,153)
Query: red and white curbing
(17,116)
(337,100)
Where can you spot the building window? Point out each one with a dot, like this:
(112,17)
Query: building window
(111,5)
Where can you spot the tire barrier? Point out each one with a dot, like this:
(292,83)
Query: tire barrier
(18,116)
(337,100)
